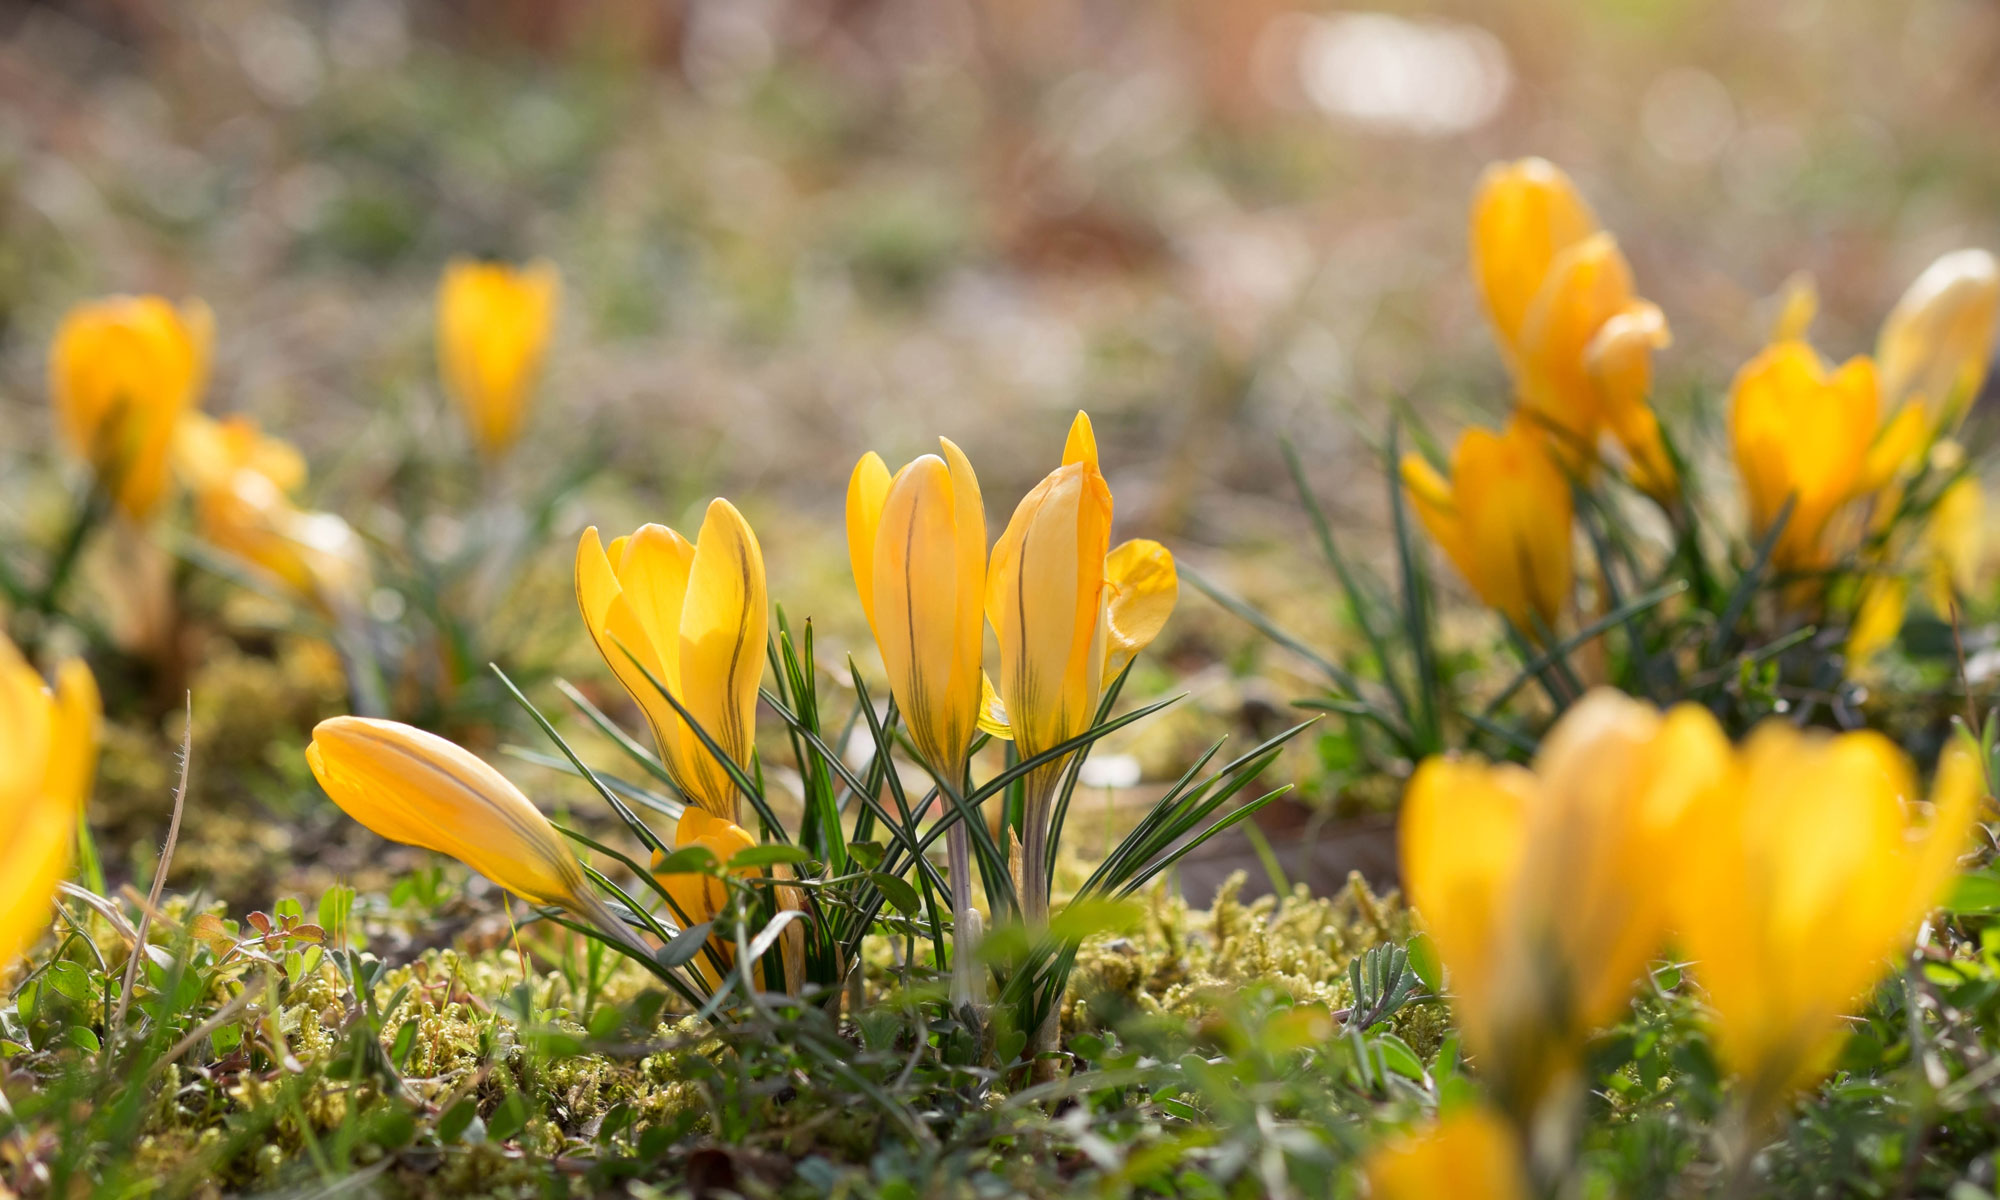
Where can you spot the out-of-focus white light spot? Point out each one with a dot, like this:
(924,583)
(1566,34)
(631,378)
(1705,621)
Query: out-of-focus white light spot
(1428,78)
(280,58)
(1109,771)
(729,47)
(1687,116)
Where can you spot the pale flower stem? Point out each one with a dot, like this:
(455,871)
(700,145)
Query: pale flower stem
(1034,889)
(964,920)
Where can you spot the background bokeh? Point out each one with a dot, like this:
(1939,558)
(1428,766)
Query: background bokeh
(794,230)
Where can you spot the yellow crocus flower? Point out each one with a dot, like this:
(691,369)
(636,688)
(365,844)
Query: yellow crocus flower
(694,616)
(1806,878)
(48,753)
(242,482)
(417,788)
(1468,1155)
(1577,338)
(1504,519)
(122,373)
(1524,214)
(493,326)
(1065,629)
(1541,885)
(1936,343)
(917,543)
(1801,433)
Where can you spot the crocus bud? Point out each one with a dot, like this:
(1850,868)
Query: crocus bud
(493,325)
(918,547)
(122,373)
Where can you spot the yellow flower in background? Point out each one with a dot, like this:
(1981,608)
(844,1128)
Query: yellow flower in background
(1803,434)
(917,543)
(1524,214)
(694,616)
(1544,887)
(1470,1154)
(1878,618)
(242,481)
(1504,519)
(1953,543)
(1936,344)
(48,753)
(1806,876)
(1577,338)
(122,373)
(493,326)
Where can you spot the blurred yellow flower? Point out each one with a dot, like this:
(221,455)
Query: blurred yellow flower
(1468,1155)
(122,372)
(48,753)
(1544,887)
(493,326)
(1805,878)
(1878,618)
(242,482)
(1803,434)
(1578,339)
(917,543)
(694,616)
(1936,343)
(1504,519)
(1953,543)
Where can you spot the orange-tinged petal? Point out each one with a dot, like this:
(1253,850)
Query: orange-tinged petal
(1801,434)
(1516,515)
(122,373)
(1468,1155)
(1937,341)
(867,489)
(723,628)
(1144,586)
(918,610)
(1081,445)
(1524,214)
(493,326)
(1620,361)
(415,787)
(1588,284)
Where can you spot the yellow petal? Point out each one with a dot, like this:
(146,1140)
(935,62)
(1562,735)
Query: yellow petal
(1431,495)
(993,713)
(1516,513)
(493,326)
(622,637)
(48,747)
(122,373)
(1144,586)
(919,611)
(723,626)
(1877,619)
(1045,597)
(1588,284)
(1620,360)
(1523,214)
(417,788)
(1081,446)
(1953,542)
(867,488)
(1469,1155)
(73,736)
(1798,304)
(1936,343)
(1803,434)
